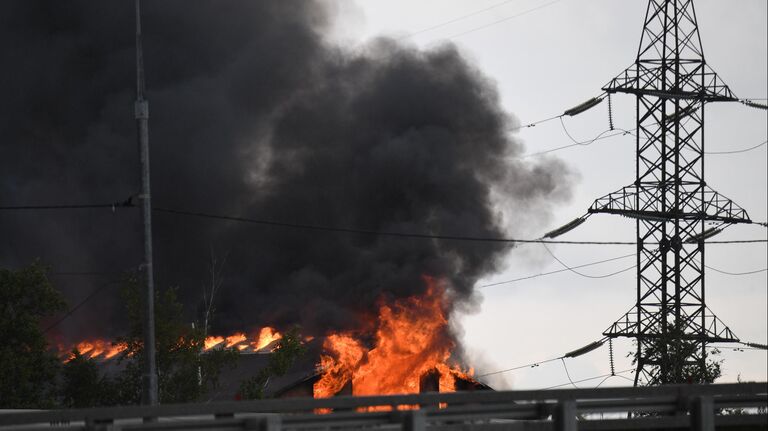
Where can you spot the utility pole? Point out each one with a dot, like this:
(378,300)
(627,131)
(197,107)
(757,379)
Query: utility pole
(141,110)
(674,208)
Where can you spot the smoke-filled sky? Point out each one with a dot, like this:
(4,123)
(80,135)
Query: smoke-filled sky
(255,112)
(551,59)
(329,113)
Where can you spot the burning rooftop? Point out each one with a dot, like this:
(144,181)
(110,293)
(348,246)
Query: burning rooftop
(405,347)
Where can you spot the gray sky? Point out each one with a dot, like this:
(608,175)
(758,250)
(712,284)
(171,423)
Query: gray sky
(553,58)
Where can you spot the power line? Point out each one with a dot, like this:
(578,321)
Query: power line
(605,134)
(588,379)
(737,273)
(735,349)
(113,205)
(457,19)
(737,151)
(576,110)
(613,375)
(599,136)
(571,269)
(535,123)
(322,228)
(739,241)
(128,204)
(531,365)
(80,304)
(405,234)
(525,12)
(565,367)
(557,271)
(602,135)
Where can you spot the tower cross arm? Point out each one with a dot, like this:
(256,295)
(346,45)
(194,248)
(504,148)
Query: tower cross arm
(697,81)
(700,203)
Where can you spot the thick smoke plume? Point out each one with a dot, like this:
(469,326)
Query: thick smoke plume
(254,114)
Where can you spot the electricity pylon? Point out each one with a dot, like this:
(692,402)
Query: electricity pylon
(674,208)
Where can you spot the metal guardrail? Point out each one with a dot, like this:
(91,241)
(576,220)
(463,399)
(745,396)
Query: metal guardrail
(699,407)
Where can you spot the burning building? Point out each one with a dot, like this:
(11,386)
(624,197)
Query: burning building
(259,114)
(404,348)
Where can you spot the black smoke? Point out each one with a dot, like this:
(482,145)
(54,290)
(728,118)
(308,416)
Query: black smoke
(255,114)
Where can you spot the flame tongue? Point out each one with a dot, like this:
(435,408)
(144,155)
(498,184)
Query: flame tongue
(267,335)
(411,341)
(104,349)
(92,349)
(259,341)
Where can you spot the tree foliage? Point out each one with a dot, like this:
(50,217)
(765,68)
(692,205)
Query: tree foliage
(673,358)
(83,386)
(27,367)
(184,372)
(287,350)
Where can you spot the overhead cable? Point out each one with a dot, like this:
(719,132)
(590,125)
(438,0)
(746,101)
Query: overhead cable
(755,345)
(531,365)
(499,21)
(379,233)
(743,150)
(599,136)
(753,104)
(79,304)
(457,19)
(557,271)
(567,227)
(602,135)
(568,374)
(113,205)
(571,269)
(618,374)
(578,352)
(576,110)
(535,123)
(736,273)
(324,228)
(586,349)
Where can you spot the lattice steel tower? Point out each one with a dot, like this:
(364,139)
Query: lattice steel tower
(674,208)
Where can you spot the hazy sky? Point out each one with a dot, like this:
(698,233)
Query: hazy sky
(553,58)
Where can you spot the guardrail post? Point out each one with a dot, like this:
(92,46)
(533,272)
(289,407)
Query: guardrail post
(267,423)
(565,416)
(414,420)
(703,414)
(97,424)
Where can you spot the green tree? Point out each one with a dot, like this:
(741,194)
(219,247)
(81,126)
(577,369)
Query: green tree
(287,350)
(673,350)
(83,386)
(27,367)
(184,372)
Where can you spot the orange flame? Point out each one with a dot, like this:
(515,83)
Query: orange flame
(266,336)
(411,342)
(93,349)
(235,338)
(103,349)
(213,341)
(241,341)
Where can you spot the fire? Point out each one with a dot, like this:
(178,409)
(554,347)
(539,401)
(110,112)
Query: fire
(411,344)
(213,341)
(104,349)
(263,338)
(93,349)
(267,335)
(234,339)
